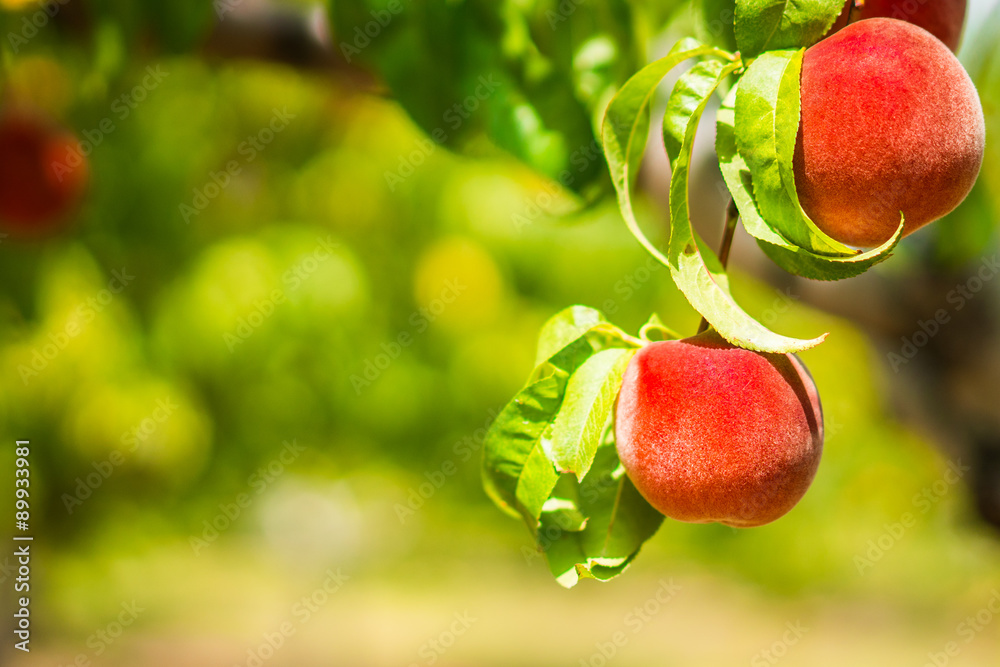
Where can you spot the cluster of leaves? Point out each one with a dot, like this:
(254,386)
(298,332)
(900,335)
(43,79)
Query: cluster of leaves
(550,458)
(756,133)
(552,66)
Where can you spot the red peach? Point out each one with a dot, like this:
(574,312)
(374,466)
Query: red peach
(711,432)
(37,189)
(890,122)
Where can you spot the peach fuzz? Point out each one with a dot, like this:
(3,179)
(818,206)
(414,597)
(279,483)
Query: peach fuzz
(890,122)
(711,432)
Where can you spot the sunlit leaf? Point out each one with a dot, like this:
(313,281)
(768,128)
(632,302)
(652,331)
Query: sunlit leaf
(695,268)
(620,521)
(780,24)
(788,256)
(590,397)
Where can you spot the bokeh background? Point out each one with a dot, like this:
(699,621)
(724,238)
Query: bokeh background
(309,269)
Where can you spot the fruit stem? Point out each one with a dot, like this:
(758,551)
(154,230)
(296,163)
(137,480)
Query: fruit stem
(728,232)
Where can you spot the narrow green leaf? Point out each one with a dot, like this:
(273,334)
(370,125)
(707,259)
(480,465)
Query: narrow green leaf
(702,280)
(514,438)
(626,123)
(589,400)
(695,268)
(534,485)
(763,25)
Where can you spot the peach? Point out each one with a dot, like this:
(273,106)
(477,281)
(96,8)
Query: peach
(711,432)
(890,122)
(38,190)
(942,18)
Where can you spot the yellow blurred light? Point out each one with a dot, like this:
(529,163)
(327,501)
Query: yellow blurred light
(147,423)
(19,4)
(40,83)
(457,285)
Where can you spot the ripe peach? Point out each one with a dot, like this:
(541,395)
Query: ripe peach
(890,122)
(37,189)
(711,432)
(941,18)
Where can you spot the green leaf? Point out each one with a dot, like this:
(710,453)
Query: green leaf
(714,22)
(788,256)
(590,521)
(563,506)
(626,124)
(619,522)
(600,336)
(517,475)
(589,400)
(763,25)
(763,123)
(535,483)
(764,119)
(655,330)
(694,267)
(564,327)
(551,69)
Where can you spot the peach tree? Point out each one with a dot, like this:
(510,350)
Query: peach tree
(839,132)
